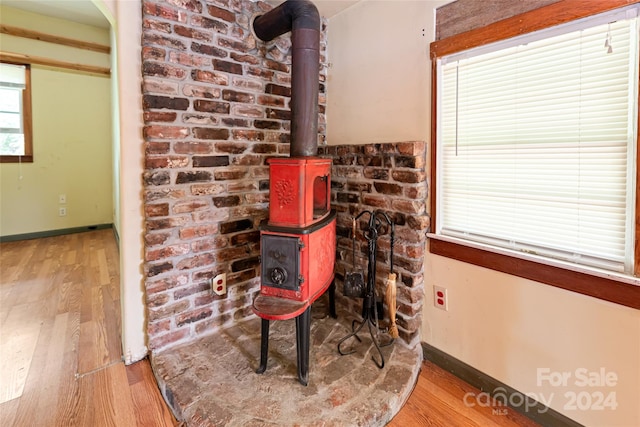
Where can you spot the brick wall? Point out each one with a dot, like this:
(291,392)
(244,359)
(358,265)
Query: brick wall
(215,104)
(391,178)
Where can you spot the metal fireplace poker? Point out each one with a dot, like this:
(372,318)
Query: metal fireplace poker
(298,242)
(369,303)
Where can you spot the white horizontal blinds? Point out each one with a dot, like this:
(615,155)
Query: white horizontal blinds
(536,143)
(12,84)
(12,75)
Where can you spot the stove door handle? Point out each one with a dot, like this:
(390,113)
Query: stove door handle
(278,275)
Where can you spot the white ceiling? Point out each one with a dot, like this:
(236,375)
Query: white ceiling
(82,11)
(326,8)
(85,12)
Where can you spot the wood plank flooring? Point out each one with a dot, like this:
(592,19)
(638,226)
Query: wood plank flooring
(61,360)
(60,347)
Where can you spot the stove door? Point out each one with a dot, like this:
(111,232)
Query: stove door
(280,261)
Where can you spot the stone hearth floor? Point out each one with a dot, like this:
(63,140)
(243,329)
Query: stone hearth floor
(212,382)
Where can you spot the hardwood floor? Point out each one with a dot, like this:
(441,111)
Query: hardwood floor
(438,399)
(61,360)
(60,352)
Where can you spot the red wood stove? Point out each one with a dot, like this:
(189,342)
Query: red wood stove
(298,243)
(298,247)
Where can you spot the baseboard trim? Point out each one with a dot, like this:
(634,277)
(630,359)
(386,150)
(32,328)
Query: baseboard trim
(536,411)
(52,233)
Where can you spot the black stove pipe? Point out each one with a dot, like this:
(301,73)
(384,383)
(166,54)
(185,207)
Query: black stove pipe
(301,17)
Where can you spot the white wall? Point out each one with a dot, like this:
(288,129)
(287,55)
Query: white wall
(379,79)
(508,327)
(71,134)
(126,21)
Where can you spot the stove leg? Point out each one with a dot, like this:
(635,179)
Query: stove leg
(264,346)
(332,299)
(303,326)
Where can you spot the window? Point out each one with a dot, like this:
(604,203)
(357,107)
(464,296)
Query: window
(536,146)
(15,113)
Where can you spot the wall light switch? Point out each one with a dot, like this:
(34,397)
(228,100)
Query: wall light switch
(62,199)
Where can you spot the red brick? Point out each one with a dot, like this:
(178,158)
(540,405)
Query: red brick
(213,24)
(411,148)
(249,59)
(231,147)
(151,85)
(159,116)
(195,147)
(210,77)
(164,12)
(419,222)
(247,160)
(259,72)
(189,233)
(235,96)
(159,102)
(246,111)
(409,206)
(376,201)
(254,198)
(247,83)
(187,59)
(200,119)
(155,147)
(206,189)
(154,239)
(229,174)
(196,261)
(150,52)
(159,327)
(161,209)
(209,244)
(247,135)
(167,252)
(167,162)
(161,40)
(187,206)
(218,12)
(190,290)
(227,66)
(211,133)
(198,91)
(165,132)
(416,192)
(208,50)
(192,33)
(155,269)
(164,193)
(155,25)
(271,101)
(244,46)
(411,177)
(166,283)
(162,224)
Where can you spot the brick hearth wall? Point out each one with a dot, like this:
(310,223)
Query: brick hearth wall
(215,108)
(391,178)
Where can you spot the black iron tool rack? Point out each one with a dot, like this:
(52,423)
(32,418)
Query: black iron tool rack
(376,223)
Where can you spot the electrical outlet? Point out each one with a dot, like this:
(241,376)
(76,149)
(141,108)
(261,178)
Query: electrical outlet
(62,211)
(62,199)
(440,299)
(219,284)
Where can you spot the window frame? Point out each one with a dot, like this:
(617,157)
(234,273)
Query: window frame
(26,120)
(620,289)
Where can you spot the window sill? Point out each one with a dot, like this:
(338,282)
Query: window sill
(609,286)
(16,159)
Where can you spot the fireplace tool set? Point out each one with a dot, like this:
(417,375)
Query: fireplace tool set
(354,286)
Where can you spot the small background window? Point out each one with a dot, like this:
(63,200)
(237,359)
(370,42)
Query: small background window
(15,113)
